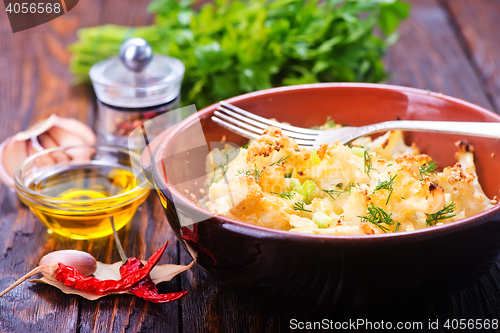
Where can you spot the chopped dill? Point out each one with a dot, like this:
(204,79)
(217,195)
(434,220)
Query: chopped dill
(397,226)
(285,195)
(445,213)
(299,205)
(350,186)
(377,216)
(427,169)
(334,193)
(386,185)
(281,160)
(224,167)
(367,164)
(254,173)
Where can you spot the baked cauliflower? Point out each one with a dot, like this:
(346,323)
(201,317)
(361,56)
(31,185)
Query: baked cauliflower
(371,187)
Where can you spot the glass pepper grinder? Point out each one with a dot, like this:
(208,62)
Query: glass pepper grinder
(134,88)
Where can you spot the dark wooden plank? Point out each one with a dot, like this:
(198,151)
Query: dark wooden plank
(211,308)
(35,83)
(130,13)
(477,25)
(428,55)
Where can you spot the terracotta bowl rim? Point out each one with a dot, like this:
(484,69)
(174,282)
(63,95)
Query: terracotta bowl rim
(263,232)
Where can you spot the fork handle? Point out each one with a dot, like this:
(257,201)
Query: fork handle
(489,130)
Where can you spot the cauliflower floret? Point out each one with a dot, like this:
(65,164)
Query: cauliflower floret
(356,205)
(462,184)
(339,166)
(391,145)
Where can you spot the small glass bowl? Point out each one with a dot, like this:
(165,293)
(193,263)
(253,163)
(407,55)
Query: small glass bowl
(75,190)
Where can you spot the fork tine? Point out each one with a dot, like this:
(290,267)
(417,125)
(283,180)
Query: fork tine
(235,129)
(248,131)
(239,123)
(267,121)
(234,117)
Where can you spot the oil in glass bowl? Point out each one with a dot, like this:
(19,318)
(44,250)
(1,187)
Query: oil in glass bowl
(76,198)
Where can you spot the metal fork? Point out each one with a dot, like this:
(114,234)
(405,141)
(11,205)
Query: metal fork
(252,126)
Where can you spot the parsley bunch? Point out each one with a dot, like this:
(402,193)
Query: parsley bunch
(234,47)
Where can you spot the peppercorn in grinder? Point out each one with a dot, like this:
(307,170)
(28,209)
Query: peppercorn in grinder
(137,88)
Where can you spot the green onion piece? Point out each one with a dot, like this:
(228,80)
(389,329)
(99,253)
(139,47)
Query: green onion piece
(321,219)
(315,158)
(294,184)
(308,189)
(358,151)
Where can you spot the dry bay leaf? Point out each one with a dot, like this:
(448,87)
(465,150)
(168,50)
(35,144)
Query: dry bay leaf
(69,290)
(160,273)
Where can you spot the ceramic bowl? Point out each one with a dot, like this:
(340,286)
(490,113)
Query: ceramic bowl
(311,273)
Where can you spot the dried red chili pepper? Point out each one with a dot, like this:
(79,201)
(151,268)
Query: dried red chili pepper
(71,278)
(145,288)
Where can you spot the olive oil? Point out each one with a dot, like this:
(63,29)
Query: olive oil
(83,197)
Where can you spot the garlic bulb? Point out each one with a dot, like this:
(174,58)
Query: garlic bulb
(53,132)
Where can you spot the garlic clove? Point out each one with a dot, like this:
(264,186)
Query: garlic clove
(42,161)
(75,126)
(66,138)
(81,154)
(83,262)
(47,142)
(12,154)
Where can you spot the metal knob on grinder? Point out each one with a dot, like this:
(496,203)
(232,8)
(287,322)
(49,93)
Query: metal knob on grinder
(136,54)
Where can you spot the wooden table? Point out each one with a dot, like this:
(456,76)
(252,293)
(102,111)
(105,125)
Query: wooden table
(448,46)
